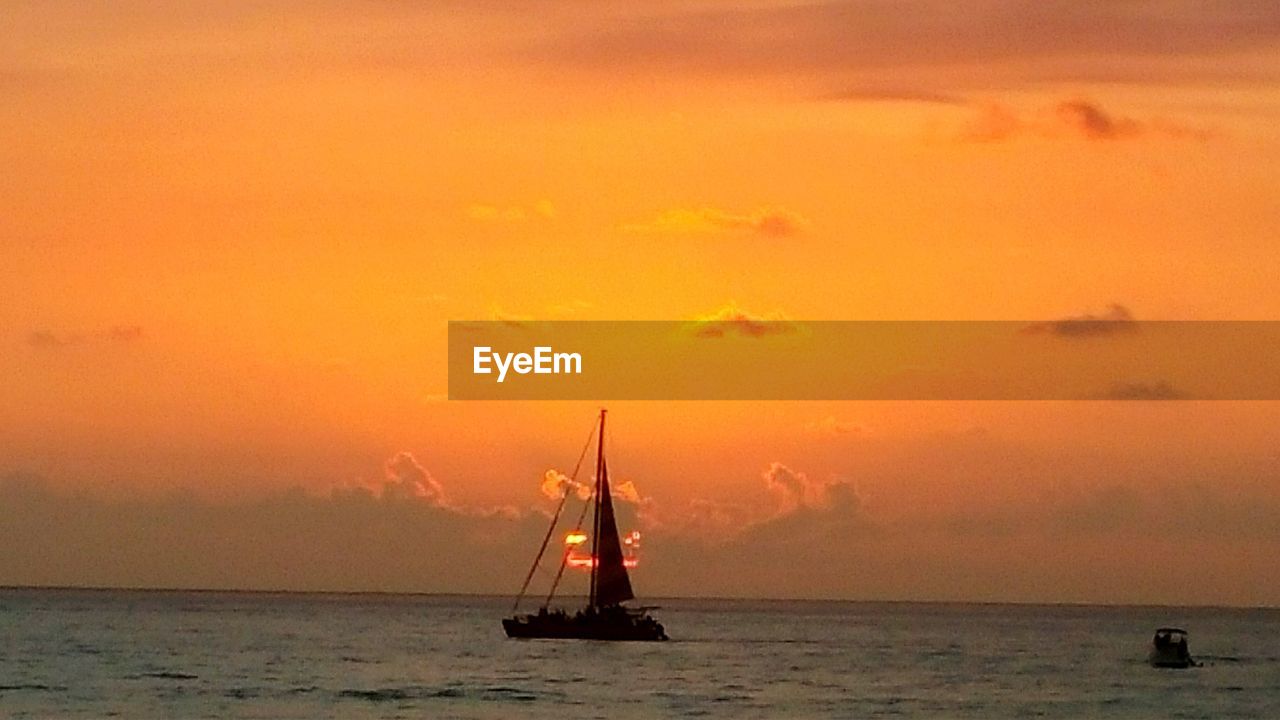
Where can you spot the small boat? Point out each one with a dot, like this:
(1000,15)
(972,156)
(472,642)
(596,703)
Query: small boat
(604,617)
(1169,649)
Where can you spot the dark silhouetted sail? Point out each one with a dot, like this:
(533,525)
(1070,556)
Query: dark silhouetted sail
(612,584)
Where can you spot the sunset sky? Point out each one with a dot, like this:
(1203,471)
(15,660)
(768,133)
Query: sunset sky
(231,239)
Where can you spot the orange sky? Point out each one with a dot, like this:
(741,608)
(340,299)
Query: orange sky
(230,241)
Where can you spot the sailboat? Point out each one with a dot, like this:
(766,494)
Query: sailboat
(605,617)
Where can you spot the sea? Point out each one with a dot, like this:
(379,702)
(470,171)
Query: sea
(171,654)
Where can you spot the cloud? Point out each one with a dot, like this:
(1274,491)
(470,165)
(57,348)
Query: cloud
(801,510)
(1144,391)
(511,320)
(996,122)
(794,491)
(1092,122)
(927,43)
(125,333)
(788,486)
(555,484)
(733,320)
(626,491)
(765,222)
(701,518)
(1099,509)
(1182,510)
(405,479)
(350,539)
(492,212)
(808,523)
(874,93)
(50,341)
(992,122)
(816,539)
(1116,320)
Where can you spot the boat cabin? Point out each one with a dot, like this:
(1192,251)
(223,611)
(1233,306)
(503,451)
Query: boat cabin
(1169,649)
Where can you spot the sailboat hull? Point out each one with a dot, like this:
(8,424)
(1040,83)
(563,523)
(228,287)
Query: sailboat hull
(556,626)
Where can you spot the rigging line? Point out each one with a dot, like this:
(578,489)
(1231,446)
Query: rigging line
(554,519)
(564,559)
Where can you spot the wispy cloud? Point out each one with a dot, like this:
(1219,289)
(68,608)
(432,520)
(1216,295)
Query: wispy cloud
(995,43)
(879,93)
(1076,118)
(1159,390)
(734,320)
(512,320)
(45,339)
(125,333)
(764,222)
(1116,319)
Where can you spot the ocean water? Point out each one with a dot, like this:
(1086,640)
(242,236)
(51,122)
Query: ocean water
(78,653)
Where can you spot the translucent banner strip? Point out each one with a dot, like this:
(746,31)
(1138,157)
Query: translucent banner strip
(864,360)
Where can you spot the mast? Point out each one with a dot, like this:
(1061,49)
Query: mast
(595,521)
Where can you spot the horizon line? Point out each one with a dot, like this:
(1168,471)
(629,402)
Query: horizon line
(4,587)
